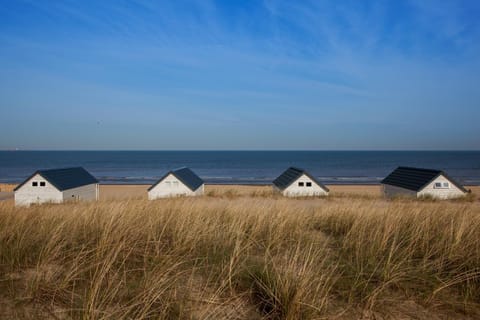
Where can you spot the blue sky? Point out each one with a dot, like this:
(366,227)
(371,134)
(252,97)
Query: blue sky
(168,75)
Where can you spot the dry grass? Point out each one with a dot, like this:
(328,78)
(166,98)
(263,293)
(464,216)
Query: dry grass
(241,257)
(7,187)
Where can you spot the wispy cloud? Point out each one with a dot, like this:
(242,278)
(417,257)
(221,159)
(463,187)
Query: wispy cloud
(261,63)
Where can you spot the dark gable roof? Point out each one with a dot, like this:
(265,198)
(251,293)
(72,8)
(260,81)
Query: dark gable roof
(416,179)
(64,179)
(185,175)
(290,175)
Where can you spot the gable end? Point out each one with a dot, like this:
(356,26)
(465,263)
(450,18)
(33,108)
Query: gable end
(292,174)
(452,181)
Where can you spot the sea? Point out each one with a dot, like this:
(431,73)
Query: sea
(240,167)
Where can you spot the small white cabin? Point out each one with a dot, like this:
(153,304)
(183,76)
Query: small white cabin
(295,182)
(56,186)
(418,183)
(176,183)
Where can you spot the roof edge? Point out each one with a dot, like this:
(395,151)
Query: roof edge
(27,179)
(305,172)
(39,172)
(173,173)
(324,187)
(160,180)
(439,173)
(186,184)
(453,181)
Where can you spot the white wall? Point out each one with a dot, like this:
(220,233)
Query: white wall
(441,193)
(27,194)
(172,187)
(84,193)
(392,191)
(200,191)
(294,190)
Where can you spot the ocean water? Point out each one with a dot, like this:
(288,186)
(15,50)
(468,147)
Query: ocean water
(240,167)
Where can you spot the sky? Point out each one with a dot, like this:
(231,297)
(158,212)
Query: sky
(240,75)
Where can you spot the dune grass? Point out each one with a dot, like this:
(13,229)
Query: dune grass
(252,257)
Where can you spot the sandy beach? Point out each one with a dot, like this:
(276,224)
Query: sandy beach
(140,191)
(7,187)
(110,191)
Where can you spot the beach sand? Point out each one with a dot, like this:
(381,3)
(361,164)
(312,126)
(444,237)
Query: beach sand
(140,191)
(110,192)
(7,187)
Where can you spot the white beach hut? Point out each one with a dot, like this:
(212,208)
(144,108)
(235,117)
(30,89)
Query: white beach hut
(419,182)
(295,182)
(56,186)
(179,182)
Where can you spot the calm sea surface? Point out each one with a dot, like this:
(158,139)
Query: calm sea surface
(240,167)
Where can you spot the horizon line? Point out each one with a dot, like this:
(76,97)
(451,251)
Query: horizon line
(238,150)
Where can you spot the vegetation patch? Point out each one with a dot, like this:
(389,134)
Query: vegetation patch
(241,257)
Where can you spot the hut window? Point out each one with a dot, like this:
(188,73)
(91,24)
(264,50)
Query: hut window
(300,184)
(42,183)
(440,185)
(34,184)
(309,184)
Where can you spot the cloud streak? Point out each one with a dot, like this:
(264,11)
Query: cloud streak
(353,66)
